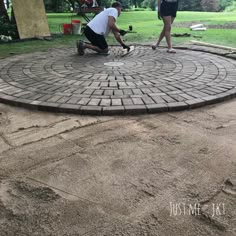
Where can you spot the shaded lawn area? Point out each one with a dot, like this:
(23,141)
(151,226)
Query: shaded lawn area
(145,23)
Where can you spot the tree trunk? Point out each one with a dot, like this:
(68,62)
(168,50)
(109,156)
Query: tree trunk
(8,4)
(13,19)
(3,12)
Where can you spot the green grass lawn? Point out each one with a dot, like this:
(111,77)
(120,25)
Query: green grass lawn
(145,23)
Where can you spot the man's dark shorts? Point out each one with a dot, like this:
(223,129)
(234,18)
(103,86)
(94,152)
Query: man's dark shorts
(96,39)
(169,8)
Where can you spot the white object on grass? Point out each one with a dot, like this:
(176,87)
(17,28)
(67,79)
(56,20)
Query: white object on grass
(199,29)
(196,26)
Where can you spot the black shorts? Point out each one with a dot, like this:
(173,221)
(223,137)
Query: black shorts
(168,8)
(96,39)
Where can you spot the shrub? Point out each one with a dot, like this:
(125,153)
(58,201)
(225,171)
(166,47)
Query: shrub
(225,3)
(8,29)
(149,4)
(232,7)
(140,9)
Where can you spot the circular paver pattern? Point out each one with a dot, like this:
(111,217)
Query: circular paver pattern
(142,81)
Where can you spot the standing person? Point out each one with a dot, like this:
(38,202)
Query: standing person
(167,12)
(98,29)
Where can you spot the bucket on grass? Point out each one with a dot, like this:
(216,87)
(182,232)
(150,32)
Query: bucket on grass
(76,27)
(67,28)
(75,21)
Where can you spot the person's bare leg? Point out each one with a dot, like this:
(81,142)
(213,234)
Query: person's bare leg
(172,19)
(161,36)
(167,27)
(168,20)
(95,48)
(167,30)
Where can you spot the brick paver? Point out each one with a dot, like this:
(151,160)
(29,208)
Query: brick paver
(143,81)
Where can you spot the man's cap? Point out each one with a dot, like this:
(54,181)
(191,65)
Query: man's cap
(116,4)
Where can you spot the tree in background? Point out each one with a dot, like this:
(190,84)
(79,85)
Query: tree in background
(8,4)
(8,26)
(231,7)
(184,5)
(3,12)
(105,3)
(149,4)
(190,5)
(210,5)
(54,5)
(67,5)
(225,3)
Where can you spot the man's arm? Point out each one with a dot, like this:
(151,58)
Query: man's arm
(112,24)
(116,31)
(118,37)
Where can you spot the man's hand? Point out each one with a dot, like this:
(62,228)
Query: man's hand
(159,15)
(122,32)
(125,47)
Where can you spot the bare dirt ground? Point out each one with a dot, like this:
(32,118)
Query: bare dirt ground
(148,175)
(162,174)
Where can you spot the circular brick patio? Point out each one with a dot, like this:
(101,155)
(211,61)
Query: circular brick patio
(142,81)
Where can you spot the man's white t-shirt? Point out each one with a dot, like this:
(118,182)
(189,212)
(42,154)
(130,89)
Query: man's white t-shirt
(99,24)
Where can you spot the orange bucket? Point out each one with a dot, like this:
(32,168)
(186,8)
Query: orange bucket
(67,28)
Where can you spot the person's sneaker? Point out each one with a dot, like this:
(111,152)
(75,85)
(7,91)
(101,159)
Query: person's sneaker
(154,46)
(171,50)
(80,47)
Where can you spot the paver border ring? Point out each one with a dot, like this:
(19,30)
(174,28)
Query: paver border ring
(144,81)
